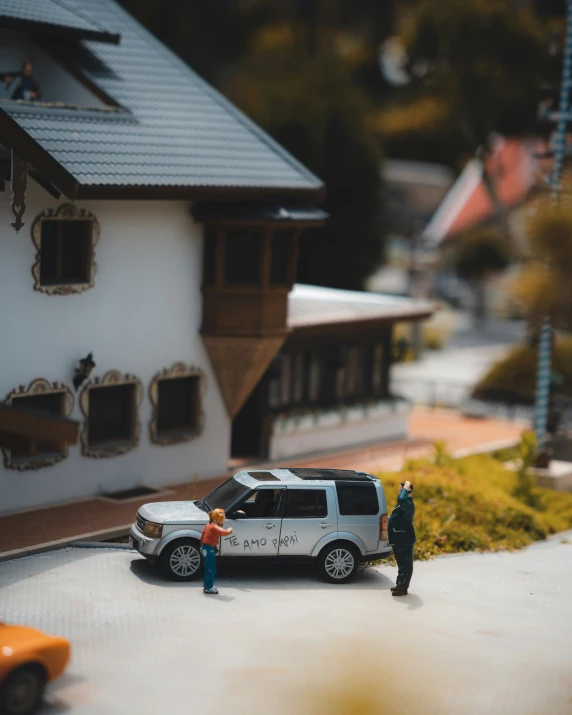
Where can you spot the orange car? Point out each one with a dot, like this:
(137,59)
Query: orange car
(28,660)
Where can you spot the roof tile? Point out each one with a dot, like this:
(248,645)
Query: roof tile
(179,130)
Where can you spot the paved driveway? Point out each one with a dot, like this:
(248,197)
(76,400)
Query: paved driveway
(478,634)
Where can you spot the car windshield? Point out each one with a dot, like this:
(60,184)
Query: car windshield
(225,495)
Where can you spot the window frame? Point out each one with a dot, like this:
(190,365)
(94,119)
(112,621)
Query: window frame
(37,387)
(111,448)
(176,371)
(65,212)
(286,502)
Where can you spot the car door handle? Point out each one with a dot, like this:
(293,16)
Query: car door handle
(325,526)
(270,526)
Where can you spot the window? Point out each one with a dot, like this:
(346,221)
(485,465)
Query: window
(306,504)
(286,380)
(65,252)
(243,257)
(226,494)
(39,396)
(52,404)
(357,499)
(209,259)
(178,405)
(65,241)
(377,369)
(355,384)
(281,250)
(111,414)
(262,504)
(110,406)
(314,377)
(299,377)
(177,397)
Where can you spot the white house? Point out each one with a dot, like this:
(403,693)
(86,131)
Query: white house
(148,246)
(124,143)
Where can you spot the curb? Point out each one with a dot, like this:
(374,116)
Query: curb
(99,545)
(90,537)
(487,447)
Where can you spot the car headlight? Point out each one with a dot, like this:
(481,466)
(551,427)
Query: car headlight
(153,531)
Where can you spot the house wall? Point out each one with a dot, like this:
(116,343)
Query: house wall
(336,429)
(142,315)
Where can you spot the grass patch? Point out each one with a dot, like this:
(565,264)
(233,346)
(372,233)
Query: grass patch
(513,379)
(471,504)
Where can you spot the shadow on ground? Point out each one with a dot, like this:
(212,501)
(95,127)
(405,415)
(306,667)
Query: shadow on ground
(249,577)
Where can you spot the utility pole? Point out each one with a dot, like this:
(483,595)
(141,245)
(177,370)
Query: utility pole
(545,342)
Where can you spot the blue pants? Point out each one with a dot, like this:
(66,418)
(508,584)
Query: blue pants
(209,561)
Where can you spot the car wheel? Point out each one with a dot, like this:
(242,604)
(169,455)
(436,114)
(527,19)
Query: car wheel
(338,563)
(22,691)
(181,560)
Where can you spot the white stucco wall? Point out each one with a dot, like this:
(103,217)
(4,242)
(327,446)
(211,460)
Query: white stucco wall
(142,315)
(336,433)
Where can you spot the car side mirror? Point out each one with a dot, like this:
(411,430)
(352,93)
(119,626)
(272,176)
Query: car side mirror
(237,514)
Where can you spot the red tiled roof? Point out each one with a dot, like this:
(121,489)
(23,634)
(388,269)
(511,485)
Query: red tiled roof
(511,168)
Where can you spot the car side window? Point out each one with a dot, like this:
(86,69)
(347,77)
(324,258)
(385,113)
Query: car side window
(306,504)
(262,504)
(357,499)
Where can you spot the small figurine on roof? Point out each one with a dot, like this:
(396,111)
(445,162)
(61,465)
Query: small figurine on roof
(25,86)
(209,542)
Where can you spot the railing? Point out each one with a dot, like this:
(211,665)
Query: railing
(449,393)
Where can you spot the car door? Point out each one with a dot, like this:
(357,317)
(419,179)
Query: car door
(309,514)
(258,532)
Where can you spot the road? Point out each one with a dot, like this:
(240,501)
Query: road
(478,633)
(447,376)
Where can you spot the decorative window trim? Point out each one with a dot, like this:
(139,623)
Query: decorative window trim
(112,449)
(179,369)
(39,386)
(63,212)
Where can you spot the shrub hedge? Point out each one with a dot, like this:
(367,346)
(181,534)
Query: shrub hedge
(513,379)
(468,504)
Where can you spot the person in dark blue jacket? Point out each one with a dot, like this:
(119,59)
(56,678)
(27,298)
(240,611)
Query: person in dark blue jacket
(25,86)
(401,535)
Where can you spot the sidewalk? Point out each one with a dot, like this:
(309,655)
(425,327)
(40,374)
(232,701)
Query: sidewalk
(97,518)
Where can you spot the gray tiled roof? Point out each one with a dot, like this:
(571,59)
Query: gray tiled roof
(314,305)
(51,13)
(176,130)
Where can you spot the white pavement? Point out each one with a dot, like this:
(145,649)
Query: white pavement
(479,633)
(447,376)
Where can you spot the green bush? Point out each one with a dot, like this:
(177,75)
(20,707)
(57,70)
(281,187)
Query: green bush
(474,504)
(513,379)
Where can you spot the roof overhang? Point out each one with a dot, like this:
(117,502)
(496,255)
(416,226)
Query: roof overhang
(14,137)
(354,327)
(54,30)
(253,214)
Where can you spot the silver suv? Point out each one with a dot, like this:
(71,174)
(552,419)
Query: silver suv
(334,518)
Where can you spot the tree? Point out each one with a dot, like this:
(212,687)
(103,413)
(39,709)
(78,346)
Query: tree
(476,66)
(311,106)
(544,286)
(295,67)
(476,255)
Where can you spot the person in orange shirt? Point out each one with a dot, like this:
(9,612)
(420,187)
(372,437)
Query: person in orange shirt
(209,541)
